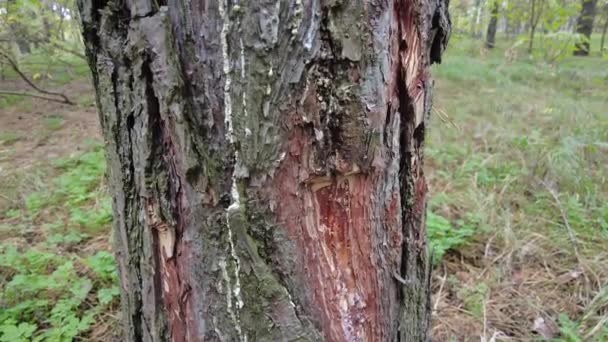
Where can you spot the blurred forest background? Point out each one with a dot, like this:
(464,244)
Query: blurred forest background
(517,157)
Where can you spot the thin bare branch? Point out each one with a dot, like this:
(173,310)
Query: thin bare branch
(68,50)
(15,67)
(48,98)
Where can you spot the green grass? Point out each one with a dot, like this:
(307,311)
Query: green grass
(8,138)
(518,153)
(53,122)
(595,43)
(10,100)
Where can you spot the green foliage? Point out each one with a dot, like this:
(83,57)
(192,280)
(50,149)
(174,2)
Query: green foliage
(46,289)
(439,230)
(77,184)
(554,38)
(568,329)
(9,100)
(444,236)
(555,46)
(49,26)
(102,264)
(42,40)
(11,331)
(573,331)
(108,295)
(524,141)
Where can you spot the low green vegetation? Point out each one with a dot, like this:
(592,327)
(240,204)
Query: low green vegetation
(57,279)
(53,122)
(518,157)
(8,138)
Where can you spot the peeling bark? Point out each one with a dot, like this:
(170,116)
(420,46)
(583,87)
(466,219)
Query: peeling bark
(266,165)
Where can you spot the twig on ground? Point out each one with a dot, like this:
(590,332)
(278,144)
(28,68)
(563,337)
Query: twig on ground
(443,116)
(443,279)
(8,199)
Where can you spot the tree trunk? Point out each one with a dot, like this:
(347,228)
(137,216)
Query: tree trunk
(584,26)
(604,29)
(17,31)
(491,34)
(265,161)
(508,27)
(475,17)
(536,12)
(45,35)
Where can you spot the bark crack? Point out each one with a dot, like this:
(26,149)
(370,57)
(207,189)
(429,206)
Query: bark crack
(407,112)
(166,211)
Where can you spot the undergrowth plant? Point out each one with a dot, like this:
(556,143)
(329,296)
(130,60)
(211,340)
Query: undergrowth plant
(48,292)
(443,235)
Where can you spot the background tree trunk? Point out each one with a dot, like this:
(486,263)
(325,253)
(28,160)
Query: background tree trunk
(604,28)
(536,12)
(491,34)
(265,161)
(17,32)
(476,17)
(584,26)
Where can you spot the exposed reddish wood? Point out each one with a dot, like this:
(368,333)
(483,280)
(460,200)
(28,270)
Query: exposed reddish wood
(411,63)
(347,289)
(333,235)
(167,273)
(173,254)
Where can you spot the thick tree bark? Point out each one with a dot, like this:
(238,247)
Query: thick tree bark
(491,34)
(584,26)
(265,161)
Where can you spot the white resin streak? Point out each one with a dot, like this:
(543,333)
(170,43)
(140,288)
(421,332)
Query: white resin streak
(235,205)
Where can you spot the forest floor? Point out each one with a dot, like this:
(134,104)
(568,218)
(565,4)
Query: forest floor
(57,276)
(517,159)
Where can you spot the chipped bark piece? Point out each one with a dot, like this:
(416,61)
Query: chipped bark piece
(265,161)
